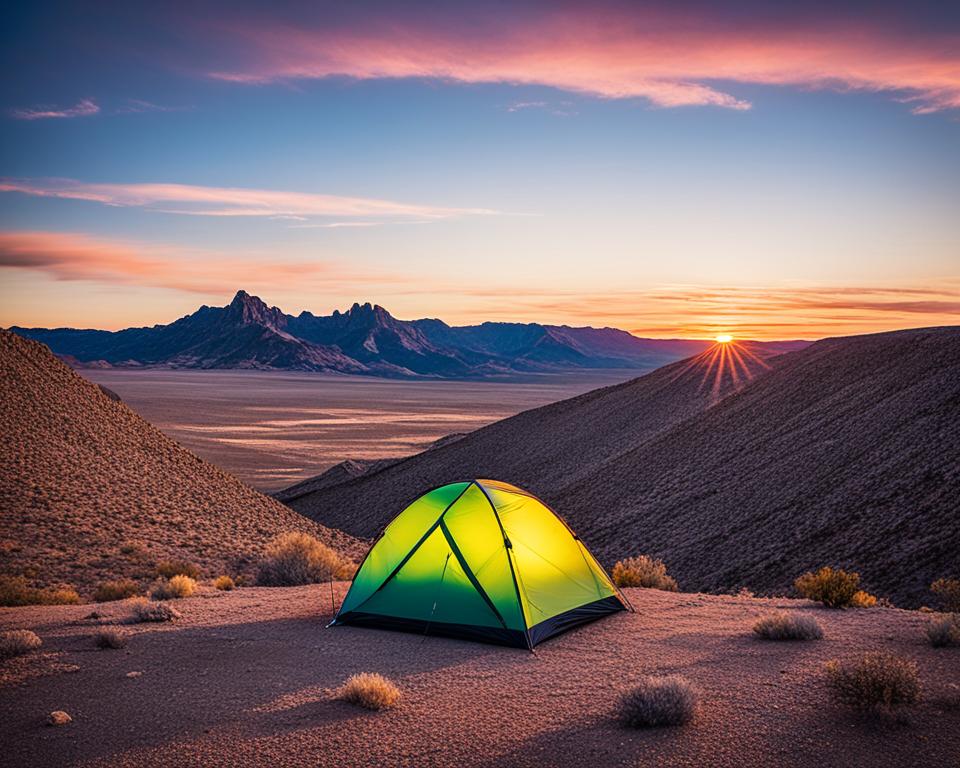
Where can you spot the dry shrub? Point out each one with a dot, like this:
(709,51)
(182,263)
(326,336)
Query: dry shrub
(834,588)
(167,569)
(173,588)
(110,637)
(224,583)
(109,591)
(944,631)
(657,701)
(133,548)
(948,590)
(643,571)
(17,642)
(787,626)
(371,691)
(16,591)
(876,680)
(143,610)
(298,558)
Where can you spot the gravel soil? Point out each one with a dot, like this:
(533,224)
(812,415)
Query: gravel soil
(249,678)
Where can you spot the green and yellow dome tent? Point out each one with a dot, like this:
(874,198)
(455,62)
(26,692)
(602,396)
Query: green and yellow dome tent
(480,560)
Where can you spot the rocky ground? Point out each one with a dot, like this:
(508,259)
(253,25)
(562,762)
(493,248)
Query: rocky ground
(249,677)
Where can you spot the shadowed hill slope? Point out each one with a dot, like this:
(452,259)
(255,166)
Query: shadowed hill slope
(538,449)
(846,453)
(81,474)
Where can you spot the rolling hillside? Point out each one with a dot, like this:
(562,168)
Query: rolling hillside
(82,476)
(539,450)
(844,453)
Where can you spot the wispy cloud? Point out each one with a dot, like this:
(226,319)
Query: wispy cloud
(671,55)
(139,107)
(83,108)
(234,201)
(80,256)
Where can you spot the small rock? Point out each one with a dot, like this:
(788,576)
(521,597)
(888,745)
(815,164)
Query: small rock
(58,718)
(134,674)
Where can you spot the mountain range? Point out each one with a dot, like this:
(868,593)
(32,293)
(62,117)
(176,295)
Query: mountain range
(738,469)
(364,340)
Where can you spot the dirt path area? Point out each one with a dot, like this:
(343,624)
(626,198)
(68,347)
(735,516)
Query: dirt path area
(248,678)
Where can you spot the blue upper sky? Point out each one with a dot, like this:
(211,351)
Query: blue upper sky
(671,174)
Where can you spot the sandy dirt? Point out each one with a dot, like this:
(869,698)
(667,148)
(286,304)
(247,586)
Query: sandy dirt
(248,678)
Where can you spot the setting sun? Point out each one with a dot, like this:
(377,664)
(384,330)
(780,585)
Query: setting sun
(724,338)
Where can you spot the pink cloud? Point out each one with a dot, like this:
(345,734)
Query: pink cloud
(670,56)
(79,256)
(83,108)
(232,201)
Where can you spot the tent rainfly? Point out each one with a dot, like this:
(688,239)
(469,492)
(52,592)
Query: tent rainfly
(480,560)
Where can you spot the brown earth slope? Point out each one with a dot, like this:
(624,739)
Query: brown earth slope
(81,474)
(539,449)
(846,453)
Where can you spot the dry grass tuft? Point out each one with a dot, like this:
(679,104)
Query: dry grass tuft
(16,591)
(109,591)
(133,548)
(944,631)
(877,680)
(17,642)
(110,637)
(144,610)
(167,569)
(371,691)
(659,701)
(643,571)
(173,588)
(948,590)
(834,588)
(788,626)
(293,559)
(224,583)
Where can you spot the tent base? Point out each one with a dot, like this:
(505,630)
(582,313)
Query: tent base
(513,638)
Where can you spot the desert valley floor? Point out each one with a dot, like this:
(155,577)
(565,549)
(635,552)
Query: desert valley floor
(272,429)
(249,676)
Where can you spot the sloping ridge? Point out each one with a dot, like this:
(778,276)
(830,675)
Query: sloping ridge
(847,454)
(539,449)
(80,474)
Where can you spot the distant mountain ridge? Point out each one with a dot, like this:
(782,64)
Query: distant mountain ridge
(364,340)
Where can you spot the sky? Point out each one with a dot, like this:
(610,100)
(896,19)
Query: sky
(674,169)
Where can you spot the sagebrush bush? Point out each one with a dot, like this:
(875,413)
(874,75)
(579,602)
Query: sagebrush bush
(876,680)
(292,559)
(167,569)
(16,591)
(17,642)
(788,626)
(173,588)
(835,588)
(110,637)
(371,691)
(643,571)
(224,583)
(121,589)
(142,610)
(658,701)
(948,590)
(944,631)
(133,548)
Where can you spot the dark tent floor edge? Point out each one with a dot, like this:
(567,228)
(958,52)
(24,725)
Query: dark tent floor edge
(513,638)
